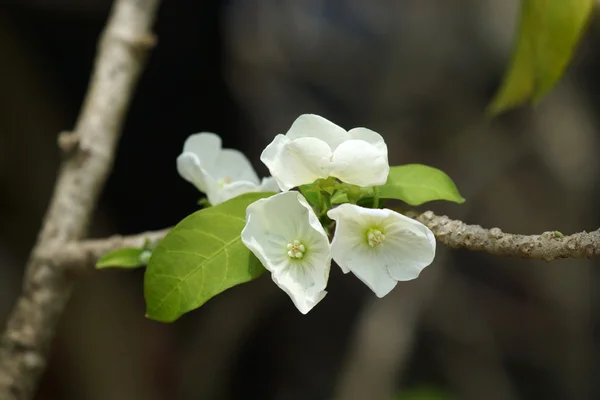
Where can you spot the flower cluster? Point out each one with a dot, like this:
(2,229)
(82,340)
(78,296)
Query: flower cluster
(221,174)
(379,246)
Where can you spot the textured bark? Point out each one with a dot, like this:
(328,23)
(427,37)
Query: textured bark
(548,246)
(91,146)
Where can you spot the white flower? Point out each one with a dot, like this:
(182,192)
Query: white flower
(287,237)
(220,173)
(380,246)
(316,148)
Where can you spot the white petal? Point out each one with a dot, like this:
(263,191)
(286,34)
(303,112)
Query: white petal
(364,264)
(212,191)
(294,282)
(270,216)
(351,251)
(238,188)
(311,125)
(296,162)
(270,153)
(371,137)
(205,145)
(270,156)
(412,247)
(313,220)
(274,222)
(268,184)
(189,168)
(259,238)
(235,189)
(305,280)
(360,163)
(232,165)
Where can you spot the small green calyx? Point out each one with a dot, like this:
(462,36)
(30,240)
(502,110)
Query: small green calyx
(328,185)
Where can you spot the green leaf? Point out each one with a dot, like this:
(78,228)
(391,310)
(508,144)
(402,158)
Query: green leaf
(549,31)
(311,193)
(347,193)
(127,257)
(327,185)
(199,258)
(416,184)
(339,197)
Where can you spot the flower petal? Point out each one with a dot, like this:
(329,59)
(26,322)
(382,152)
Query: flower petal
(268,184)
(205,145)
(274,222)
(212,191)
(296,162)
(275,216)
(262,241)
(371,137)
(413,247)
(270,155)
(235,189)
(232,165)
(360,163)
(311,125)
(351,251)
(189,168)
(294,281)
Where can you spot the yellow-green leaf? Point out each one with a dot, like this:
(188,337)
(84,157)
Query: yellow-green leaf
(199,258)
(127,257)
(416,184)
(549,31)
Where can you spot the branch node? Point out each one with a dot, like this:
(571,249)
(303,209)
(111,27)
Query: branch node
(68,141)
(144,41)
(89,152)
(495,233)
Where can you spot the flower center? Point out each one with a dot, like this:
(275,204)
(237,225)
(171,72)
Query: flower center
(375,237)
(224,182)
(295,249)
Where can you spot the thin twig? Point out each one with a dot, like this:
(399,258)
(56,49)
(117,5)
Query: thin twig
(79,256)
(548,246)
(47,285)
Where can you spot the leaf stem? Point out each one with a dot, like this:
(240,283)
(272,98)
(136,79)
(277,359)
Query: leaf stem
(326,202)
(375,197)
(321,202)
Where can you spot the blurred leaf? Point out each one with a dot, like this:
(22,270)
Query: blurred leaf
(416,184)
(199,258)
(127,257)
(549,31)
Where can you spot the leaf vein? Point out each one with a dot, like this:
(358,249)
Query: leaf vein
(193,271)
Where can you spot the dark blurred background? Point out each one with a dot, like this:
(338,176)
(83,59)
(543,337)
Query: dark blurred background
(420,72)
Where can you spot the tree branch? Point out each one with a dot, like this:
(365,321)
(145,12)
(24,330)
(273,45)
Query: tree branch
(78,256)
(47,285)
(548,246)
